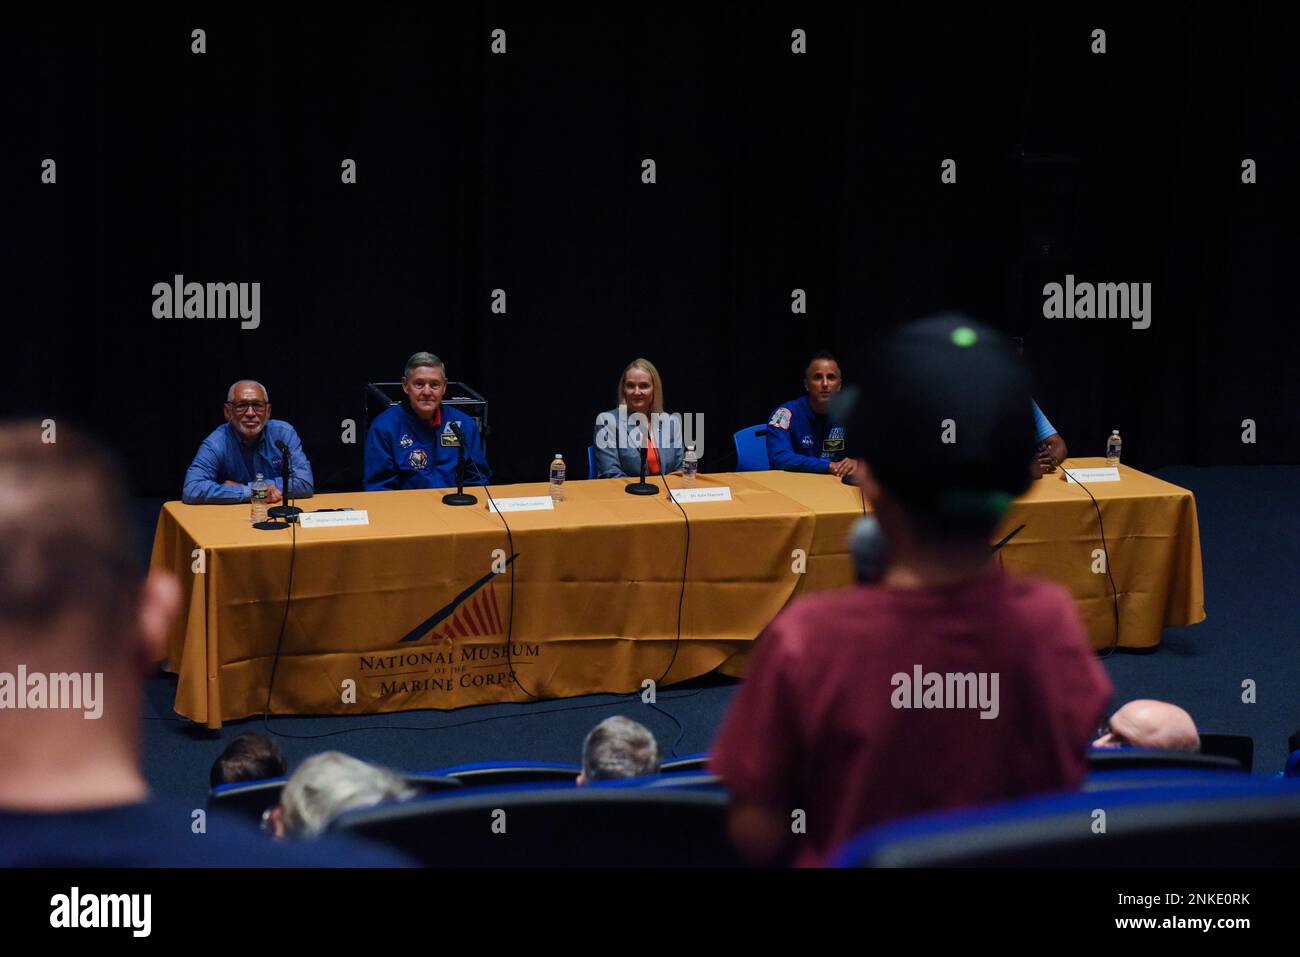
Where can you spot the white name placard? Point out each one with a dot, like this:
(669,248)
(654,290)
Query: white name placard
(722,494)
(1109,474)
(356,516)
(526,503)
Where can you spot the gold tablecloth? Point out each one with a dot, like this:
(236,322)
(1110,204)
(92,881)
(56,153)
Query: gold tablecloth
(597,587)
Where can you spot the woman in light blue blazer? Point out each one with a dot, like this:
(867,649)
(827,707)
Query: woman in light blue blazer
(639,414)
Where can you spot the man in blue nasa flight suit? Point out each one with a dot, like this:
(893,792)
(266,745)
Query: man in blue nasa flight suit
(801,436)
(413,445)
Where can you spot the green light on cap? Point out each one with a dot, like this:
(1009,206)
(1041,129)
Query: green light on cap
(964,336)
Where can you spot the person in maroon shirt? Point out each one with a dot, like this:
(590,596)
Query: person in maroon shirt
(947,682)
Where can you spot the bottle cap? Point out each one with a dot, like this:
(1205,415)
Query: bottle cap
(558,455)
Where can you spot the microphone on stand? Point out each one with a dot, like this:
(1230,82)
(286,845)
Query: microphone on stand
(288,511)
(459,497)
(869,548)
(642,487)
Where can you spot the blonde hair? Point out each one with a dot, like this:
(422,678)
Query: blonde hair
(329,783)
(645,365)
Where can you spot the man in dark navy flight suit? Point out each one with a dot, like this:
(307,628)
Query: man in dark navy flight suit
(801,436)
(413,445)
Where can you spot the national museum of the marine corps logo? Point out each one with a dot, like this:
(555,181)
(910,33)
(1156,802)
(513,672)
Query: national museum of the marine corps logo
(468,649)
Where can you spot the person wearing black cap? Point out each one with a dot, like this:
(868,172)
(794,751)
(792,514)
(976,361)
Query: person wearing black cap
(948,682)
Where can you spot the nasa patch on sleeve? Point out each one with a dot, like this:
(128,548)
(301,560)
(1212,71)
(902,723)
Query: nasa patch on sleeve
(781,418)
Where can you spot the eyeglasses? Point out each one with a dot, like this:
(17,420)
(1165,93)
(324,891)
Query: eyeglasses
(258,407)
(1105,730)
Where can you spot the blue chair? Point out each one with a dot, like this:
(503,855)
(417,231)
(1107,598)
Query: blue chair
(1117,759)
(591,461)
(429,782)
(1106,780)
(247,799)
(1177,823)
(699,761)
(1238,746)
(751,449)
(705,780)
(553,825)
(699,780)
(495,773)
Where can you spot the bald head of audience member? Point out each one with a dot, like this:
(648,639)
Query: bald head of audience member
(78,618)
(1151,724)
(618,748)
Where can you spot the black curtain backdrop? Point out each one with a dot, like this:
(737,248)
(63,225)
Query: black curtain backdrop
(522,172)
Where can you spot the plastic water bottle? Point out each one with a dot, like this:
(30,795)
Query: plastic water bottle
(261,491)
(1112,448)
(690,466)
(557,478)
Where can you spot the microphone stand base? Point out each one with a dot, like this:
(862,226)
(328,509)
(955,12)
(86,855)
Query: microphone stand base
(288,512)
(641,488)
(458,498)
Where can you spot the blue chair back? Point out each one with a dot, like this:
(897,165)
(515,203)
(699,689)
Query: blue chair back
(554,825)
(247,799)
(591,461)
(667,779)
(699,761)
(751,449)
(1292,769)
(1241,747)
(1115,759)
(1247,823)
(495,773)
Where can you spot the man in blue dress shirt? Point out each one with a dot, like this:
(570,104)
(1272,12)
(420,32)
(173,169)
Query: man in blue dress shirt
(414,445)
(230,459)
(801,436)
(1052,450)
